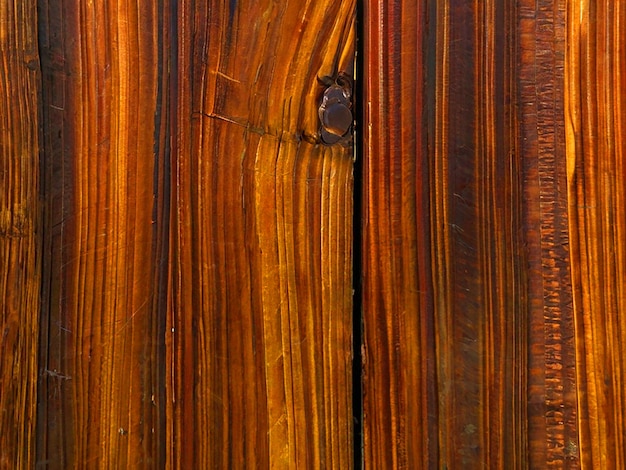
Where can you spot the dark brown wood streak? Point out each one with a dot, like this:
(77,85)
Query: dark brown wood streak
(20,256)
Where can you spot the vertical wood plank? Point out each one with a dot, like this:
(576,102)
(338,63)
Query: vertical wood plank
(595,81)
(445,310)
(519,111)
(20,254)
(552,386)
(259,335)
(104,230)
(399,394)
(480,316)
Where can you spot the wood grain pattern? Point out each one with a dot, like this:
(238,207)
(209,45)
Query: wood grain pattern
(552,388)
(444,311)
(515,249)
(188,280)
(102,374)
(595,80)
(259,334)
(477,277)
(399,395)
(254,365)
(466,209)
(19,231)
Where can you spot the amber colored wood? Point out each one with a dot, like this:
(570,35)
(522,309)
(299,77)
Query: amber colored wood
(494,234)
(553,435)
(186,275)
(102,385)
(595,80)
(399,394)
(259,335)
(444,310)
(470,353)
(19,231)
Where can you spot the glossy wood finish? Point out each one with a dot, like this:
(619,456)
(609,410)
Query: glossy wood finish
(493,234)
(444,310)
(259,335)
(553,436)
(399,395)
(187,272)
(20,256)
(208,326)
(595,80)
(105,123)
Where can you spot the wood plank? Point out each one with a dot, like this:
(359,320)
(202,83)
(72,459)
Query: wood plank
(552,385)
(595,81)
(514,251)
(445,310)
(399,395)
(20,256)
(259,333)
(104,116)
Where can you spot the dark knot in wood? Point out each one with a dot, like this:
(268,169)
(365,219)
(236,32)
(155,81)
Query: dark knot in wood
(335,111)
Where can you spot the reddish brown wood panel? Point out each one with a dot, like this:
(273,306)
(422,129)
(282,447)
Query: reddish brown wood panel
(210,326)
(444,309)
(399,395)
(102,390)
(469,333)
(19,231)
(552,389)
(259,335)
(229,343)
(595,80)
(494,234)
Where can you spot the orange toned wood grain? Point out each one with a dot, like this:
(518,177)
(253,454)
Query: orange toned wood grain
(19,232)
(259,334)
(102,388)
(470,338)
(595,77)
(210,324)
(399,395)
(553,430)
(444,308)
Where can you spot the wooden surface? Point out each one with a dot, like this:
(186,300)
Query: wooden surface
(19,228)
(105,123)
(259,334)
(553,436)
(444,313)
(197,237)
(493,234)
(399,396)
(176,246)
(595,77)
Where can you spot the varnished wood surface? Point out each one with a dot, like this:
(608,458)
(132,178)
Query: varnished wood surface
(259,334)
(193,241)
(104,109)
(595,75)
(444,311)
(206,326)
(553,436)
(19,231)
(399,395)
(493,234)
(443,305)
